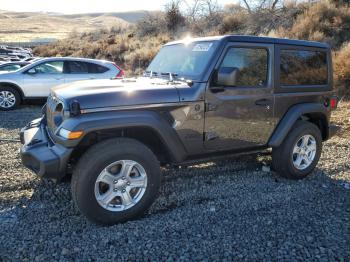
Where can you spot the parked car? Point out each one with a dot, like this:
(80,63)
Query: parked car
(12,66)
(30,59)
(8,50)
(37,79)
(199,99)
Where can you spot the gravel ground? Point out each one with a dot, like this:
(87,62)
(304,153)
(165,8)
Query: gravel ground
(223,210)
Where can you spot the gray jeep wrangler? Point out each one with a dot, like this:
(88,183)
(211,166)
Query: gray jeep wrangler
(199,98)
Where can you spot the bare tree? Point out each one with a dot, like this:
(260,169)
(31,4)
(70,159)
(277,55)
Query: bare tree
(200,8)
(173,15)
(247,6)
(260,4)
(274,3)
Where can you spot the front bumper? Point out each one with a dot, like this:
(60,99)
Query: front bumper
(40,154)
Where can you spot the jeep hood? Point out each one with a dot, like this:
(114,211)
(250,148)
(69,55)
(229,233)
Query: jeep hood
(116,92)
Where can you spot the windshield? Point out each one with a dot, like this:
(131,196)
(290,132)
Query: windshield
(183,60)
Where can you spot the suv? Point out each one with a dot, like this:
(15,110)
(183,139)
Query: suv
(199,98)
(36,80)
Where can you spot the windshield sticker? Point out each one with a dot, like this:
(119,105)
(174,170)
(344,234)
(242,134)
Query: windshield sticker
(202,47)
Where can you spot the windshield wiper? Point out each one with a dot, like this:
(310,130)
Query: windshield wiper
(152,74)
(172,76)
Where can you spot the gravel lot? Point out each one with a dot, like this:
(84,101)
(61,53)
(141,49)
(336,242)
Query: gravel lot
(220,210)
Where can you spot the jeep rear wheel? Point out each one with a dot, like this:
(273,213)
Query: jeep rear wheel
(299,153)
(116,180)
(9,98)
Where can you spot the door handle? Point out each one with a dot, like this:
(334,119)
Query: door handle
(216,89)
(262,102)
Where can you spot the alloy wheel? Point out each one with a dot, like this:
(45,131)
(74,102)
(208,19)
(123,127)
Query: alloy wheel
(7,99)
(304,152)
(121,185)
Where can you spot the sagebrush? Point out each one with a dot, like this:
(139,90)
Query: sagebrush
(133,47)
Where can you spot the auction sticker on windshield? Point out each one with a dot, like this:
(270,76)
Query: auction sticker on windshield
(202,47)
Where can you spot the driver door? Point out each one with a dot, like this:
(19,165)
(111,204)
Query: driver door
(38,80)
(241,115)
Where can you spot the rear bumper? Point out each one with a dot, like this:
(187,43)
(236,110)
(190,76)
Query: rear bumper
(332,130)
(40,155)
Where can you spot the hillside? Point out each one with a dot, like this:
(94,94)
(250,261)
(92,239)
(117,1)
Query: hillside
(29,26)
(133,48)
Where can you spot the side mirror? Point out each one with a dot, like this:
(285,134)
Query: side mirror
(227,76)
(32,71)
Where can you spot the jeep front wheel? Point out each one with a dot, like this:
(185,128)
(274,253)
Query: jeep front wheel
(116,180)
(299,153)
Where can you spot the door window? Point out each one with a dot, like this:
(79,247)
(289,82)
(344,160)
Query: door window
(10,68)
(97,69)
(303,67)
(77,67)
(251,63)
(53,67)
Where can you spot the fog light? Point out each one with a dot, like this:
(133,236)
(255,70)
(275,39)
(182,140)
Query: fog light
(67,134)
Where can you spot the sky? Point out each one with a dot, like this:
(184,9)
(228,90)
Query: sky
(85,6)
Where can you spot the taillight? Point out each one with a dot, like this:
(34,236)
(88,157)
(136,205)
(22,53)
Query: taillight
(333,102)
(121,73)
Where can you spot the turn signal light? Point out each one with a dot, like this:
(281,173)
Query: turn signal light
(70,134)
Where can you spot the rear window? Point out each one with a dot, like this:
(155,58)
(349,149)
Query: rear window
(97,69)
(303,67)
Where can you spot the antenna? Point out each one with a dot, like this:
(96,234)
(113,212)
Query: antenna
(171,77)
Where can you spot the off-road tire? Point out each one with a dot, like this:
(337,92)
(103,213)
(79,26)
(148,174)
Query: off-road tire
(16,95)
(95,160)
(282,161)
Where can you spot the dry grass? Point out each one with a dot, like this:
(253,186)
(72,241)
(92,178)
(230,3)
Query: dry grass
(341,117)
(133,48)
(26,27)
(324,21)
(341,62)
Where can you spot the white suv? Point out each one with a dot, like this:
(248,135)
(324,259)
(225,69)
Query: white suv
(35,80)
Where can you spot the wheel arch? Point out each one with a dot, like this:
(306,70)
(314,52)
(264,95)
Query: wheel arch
(320,120)
(145,126)
(14,86)
(315,113)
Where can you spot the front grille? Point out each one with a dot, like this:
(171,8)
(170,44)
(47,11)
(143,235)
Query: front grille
(50,109)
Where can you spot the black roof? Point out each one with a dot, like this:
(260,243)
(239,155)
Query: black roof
(258,39)
(272,40)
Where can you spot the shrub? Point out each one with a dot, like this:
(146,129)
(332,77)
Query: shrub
(174,18)
(341,64)
(133,47)
(323,21)
(152,25)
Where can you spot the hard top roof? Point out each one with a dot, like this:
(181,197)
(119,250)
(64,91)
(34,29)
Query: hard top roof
(255,39)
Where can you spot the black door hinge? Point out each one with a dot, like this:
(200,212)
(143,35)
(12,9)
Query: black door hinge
(210,107)
(208,136)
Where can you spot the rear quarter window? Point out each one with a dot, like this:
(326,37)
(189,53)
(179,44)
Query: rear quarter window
(303,67)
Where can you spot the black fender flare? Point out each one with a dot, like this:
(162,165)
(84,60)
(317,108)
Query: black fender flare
(126,119)
(289,119)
